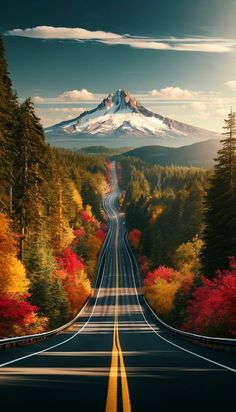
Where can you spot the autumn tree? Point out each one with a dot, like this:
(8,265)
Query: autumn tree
(187,256)
(17,315)
(211,311)
(160,287)
(134,237)
(13,279)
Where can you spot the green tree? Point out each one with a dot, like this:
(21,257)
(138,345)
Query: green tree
(28,172)
(220,212)
(47,291)
(8,107)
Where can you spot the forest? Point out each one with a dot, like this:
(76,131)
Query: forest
(51,220)
(182,227)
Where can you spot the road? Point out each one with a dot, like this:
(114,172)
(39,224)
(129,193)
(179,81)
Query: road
(116,357)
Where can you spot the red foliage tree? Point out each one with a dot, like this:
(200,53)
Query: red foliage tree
(162,272)
(15,313)
(101,234)
(212,309)
(109,165)
(87,217)
(144,264)
(108,175)
(78,233)
(134,237)
(70,262)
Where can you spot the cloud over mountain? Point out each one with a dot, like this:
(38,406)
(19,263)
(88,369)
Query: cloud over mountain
(184,44)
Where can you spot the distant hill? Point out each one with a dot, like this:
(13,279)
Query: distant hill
(200,154)
(103,150)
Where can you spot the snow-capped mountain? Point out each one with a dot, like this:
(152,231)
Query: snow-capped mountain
(120,114)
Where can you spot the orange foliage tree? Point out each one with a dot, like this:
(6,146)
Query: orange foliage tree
(16,315)
(134,238)
(74,279)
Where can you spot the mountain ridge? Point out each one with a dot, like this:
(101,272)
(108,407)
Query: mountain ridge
(120,114)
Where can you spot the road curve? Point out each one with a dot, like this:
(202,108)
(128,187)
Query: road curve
(116,357)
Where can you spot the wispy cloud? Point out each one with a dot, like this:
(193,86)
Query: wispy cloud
(231,85)
(66,109)
(198,106)
(187,44)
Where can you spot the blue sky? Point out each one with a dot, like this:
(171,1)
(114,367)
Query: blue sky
(177,57)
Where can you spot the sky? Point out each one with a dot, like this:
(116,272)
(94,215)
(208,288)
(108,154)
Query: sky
(177,57)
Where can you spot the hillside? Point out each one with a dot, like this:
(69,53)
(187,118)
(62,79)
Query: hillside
(200,154)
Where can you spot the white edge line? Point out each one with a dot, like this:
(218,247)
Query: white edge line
(166,340)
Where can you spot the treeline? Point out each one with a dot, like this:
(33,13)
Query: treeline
(51,220)
(182,224)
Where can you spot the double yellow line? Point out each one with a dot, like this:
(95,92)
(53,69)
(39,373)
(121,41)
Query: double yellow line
(117,360)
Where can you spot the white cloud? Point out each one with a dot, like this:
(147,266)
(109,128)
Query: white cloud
(172,93)
(65,33)
(73,95)
(69,96)
(198,106)
(174,44)
(231,85)
(193,44)
(37,99)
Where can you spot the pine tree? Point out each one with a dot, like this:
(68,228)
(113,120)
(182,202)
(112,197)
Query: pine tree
(8,107)
(28,172)
(59,305)
(47,291)
(220,212)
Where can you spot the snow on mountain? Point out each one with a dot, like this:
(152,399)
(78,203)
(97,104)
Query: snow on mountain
(120,114)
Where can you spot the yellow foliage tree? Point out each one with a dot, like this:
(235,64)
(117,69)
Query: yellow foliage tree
(13,280)
(88,210)
(76,196)
(187,257)
(94,245)
(161,295)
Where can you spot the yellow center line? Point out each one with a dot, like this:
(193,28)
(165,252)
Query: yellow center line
(117,355)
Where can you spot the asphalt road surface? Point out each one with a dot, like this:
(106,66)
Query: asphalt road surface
(116,357)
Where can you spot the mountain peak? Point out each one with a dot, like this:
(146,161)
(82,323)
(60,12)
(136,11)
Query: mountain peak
(120,114)
(120,100)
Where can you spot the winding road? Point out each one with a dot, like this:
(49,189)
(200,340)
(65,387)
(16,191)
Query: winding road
(116,357)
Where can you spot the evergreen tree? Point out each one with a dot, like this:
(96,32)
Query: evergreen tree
(220,212)
(59,306)
(29,172)
(8,107)
(47,291)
